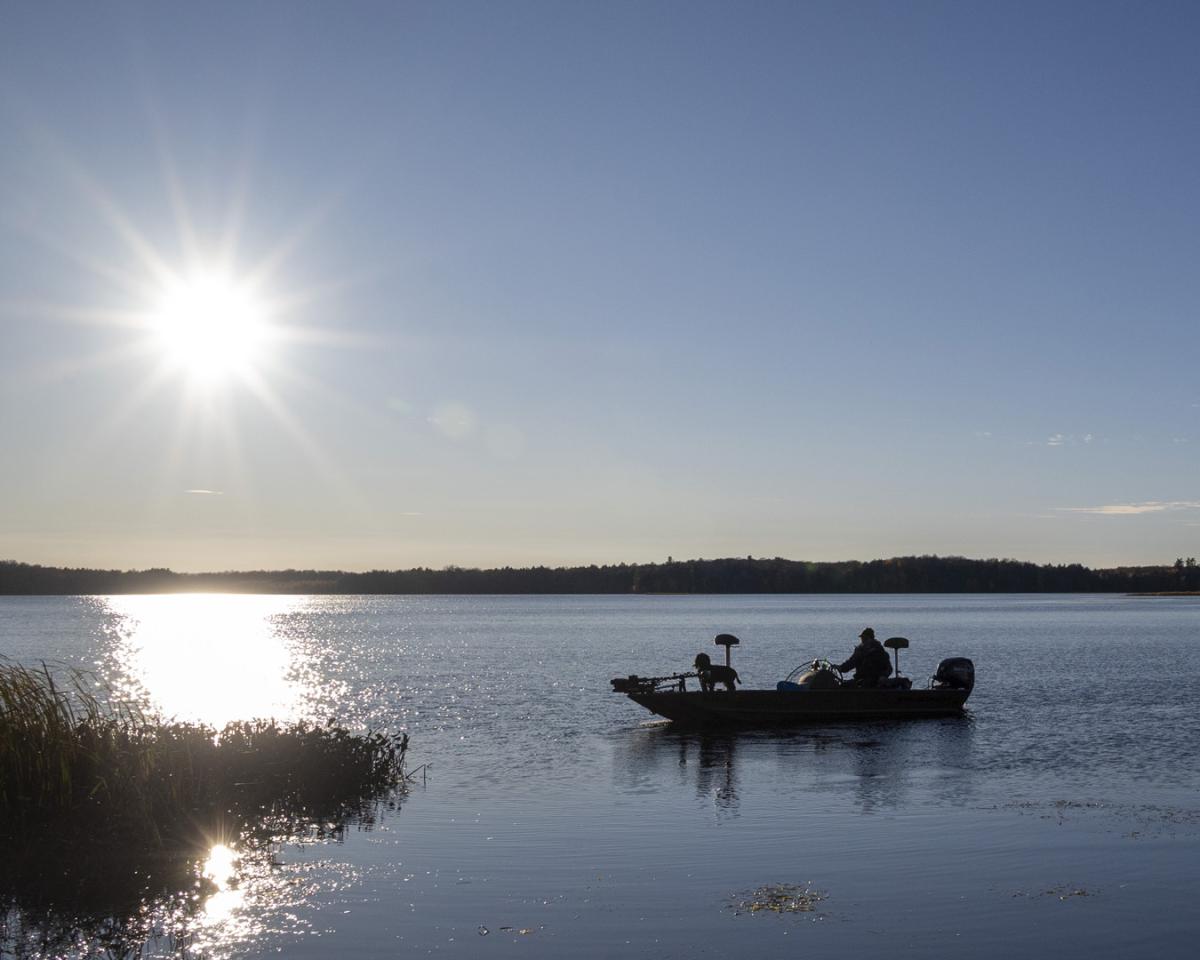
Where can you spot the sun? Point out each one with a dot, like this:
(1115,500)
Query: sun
(210,325)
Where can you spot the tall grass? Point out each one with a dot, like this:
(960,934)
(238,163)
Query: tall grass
(66,754)
(107,810)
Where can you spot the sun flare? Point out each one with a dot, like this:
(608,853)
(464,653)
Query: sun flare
(210,325)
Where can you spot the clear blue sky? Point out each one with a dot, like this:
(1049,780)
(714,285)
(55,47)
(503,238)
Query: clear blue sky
(586,282)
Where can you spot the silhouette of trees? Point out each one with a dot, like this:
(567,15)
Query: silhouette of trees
(924,574)
(1186,573)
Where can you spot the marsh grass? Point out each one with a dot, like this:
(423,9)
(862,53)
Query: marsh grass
(105,809)
(65,753)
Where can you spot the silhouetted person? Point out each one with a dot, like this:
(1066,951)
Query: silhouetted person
(711,675)
(869,661)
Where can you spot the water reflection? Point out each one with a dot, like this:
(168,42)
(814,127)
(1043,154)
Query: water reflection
(240,889)
(210,658)
(93,898)
(220,901)
(704,762)
(219,869)
(879,766)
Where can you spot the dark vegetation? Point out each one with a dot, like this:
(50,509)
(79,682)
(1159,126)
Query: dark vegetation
(66,754)
(105,811)
(928,574)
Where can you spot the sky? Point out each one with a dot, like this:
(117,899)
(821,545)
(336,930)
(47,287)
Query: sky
(381,285)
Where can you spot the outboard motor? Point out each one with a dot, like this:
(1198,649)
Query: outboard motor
(957,673)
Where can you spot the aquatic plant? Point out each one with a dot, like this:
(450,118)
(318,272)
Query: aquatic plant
(106,811)
(66,755)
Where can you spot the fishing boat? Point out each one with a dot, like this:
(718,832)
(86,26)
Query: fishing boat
(814,692)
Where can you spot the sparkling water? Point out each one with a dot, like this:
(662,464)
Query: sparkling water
(1059,817)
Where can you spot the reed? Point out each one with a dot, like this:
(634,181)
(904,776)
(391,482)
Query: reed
(109,768)
(107,811)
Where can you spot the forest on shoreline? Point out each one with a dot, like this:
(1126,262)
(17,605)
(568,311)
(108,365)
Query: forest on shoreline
(924,574)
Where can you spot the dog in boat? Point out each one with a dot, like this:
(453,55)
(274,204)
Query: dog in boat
(711,675)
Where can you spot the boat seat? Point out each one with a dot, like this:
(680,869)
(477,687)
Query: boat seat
(896,643)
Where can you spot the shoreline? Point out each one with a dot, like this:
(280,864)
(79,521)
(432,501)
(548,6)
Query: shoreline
(716,577)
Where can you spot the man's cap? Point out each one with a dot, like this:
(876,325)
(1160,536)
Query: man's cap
(867,633)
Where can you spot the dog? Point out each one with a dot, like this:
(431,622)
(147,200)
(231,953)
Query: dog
(711,675)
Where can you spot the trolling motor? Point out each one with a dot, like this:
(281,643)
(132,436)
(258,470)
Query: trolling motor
(675,681)
(635,684)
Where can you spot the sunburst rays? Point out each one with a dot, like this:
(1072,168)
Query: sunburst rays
(215,330)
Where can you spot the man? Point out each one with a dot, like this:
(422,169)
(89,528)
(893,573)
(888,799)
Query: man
(869,661)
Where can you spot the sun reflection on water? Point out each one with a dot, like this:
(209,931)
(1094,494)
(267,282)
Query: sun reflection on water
(211,658)
(220,869)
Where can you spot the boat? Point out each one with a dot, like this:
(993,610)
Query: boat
(815,692)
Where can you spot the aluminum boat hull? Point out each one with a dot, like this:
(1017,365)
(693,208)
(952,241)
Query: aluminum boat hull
(776,708)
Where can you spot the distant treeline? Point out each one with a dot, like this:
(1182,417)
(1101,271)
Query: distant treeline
(928,574)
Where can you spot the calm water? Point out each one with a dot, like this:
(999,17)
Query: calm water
(1061,816)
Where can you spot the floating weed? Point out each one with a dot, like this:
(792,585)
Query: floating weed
(1066,892)
(1133,820)
(779,898)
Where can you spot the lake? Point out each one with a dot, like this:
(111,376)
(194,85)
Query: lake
(1060,817)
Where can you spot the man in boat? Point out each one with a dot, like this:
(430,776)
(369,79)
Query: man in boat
(869,661)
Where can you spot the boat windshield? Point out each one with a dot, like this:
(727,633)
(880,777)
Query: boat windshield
(807,667)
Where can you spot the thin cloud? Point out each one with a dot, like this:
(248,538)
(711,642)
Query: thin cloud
(455,420)
(1070,439)
(205,493)
(1133,509)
